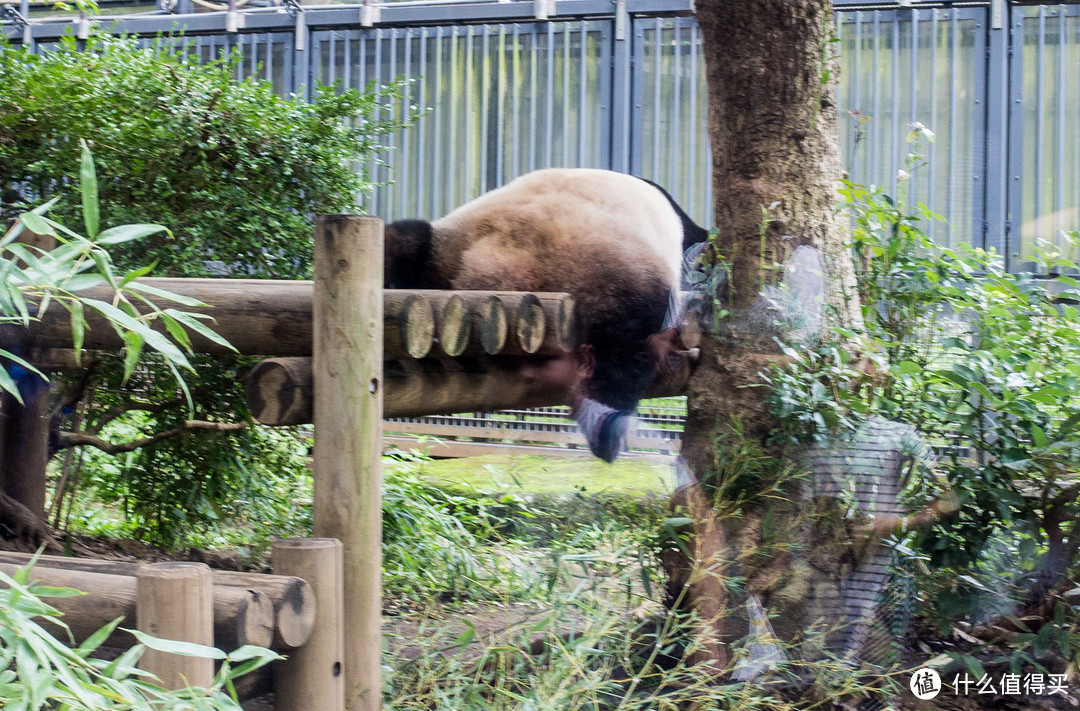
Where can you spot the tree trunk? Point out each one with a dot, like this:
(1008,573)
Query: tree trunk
(772,128)
(776,162)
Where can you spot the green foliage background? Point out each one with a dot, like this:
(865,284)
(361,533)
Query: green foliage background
(234,170)
(237,174)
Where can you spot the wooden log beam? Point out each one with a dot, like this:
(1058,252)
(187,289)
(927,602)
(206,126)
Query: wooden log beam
(241,616)
(257,316)
(279,390)
(292,598)
(273,317)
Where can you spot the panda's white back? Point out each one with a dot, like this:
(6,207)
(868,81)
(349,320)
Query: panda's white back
(554,225)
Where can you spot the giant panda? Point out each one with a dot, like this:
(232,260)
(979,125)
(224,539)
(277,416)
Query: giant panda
(613,241)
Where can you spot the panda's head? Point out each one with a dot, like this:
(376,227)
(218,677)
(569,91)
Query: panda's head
(407,254)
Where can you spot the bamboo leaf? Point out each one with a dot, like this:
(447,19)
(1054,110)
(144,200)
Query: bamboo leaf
(89,184)
(126,233)
(202,329)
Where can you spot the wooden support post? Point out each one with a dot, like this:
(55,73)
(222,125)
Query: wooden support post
(347,366)
(311,677)
(175,601)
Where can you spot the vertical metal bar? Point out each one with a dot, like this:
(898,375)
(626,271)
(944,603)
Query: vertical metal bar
(954,71)
(566,95)
(856,98)
(550,96)
(978,110)
(914,99)
(346,64)
(676,108)
(658,53)
(485,93)
(501,119)
(485,109)
(1059,134)
(453,138)
(401,180)
(468,147)
(515,147)
(1040,108)
(636,144)
(693,130)
(894,166)
(1016,139)
(437,134)
(253,60)
(534,73)
(602,147)
(932,123)
(873,177)
(331,62)
(583,61)
(621,114)
(421,147)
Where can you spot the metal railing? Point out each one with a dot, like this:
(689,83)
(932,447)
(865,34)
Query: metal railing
(620,84)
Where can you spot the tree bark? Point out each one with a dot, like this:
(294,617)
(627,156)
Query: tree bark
(776,163)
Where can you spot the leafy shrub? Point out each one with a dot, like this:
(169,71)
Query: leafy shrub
(235,171)
(976,357)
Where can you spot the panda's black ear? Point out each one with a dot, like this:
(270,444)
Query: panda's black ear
(406,254)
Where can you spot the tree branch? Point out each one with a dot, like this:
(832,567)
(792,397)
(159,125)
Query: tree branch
(82,439)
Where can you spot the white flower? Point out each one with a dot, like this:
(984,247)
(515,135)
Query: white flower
(902,175)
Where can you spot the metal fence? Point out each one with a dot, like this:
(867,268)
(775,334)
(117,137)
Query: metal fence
(620,84)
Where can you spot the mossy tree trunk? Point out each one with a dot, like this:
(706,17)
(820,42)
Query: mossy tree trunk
(776,162)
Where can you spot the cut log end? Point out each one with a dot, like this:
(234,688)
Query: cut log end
(409,325)
(454,326)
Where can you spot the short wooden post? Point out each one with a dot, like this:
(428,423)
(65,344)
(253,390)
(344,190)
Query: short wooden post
(176,601)
(311,677)
(348,355)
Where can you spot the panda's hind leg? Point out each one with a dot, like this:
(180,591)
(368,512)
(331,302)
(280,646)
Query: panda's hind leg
(625,362)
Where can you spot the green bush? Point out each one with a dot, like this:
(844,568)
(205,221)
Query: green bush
(981,359)
(237,174)
(235,171)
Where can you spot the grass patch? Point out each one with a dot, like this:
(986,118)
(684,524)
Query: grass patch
(551,475)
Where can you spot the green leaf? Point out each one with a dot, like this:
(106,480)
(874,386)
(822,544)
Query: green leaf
(136,273)
(126,233)
(133,349)
(78,327)
(176,331)
(186,649)
(36,224)
(153,290)
(50,591)
(89,184)
(98,638)
(192,322)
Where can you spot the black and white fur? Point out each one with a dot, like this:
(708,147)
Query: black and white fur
(612,241)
